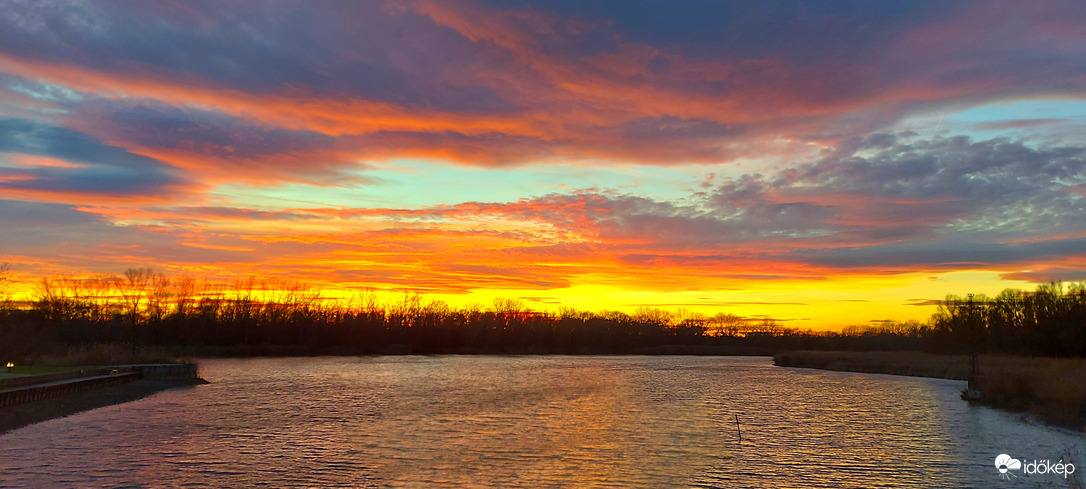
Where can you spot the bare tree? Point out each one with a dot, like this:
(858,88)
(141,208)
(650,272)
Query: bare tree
(436,307)
(511,307)
(567,312)
(369,303)
(60,299)
(724,324)
(184,295)
(473,309)
(158,296)
(408,309)
(5,281)
(134,288)
(653,315)
(101,291)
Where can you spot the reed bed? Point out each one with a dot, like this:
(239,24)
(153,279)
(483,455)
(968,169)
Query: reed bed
(1053,389)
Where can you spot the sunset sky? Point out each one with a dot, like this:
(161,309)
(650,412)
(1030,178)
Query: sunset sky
(823,163)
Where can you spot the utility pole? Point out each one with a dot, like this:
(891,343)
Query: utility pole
(974,333)
(975,323)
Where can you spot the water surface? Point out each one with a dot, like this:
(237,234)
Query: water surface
(533,421)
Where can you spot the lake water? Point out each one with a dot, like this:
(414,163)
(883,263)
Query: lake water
(533,421)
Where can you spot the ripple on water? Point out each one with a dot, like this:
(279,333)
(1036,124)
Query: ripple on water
(529,421)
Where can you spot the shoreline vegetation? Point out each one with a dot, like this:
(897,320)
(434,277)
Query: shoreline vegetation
(1051,389)
(150,311)
(146,317)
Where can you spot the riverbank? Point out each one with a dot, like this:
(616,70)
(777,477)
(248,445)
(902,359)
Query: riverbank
(1052,389)
(17,416)
(114,353)
(28,399)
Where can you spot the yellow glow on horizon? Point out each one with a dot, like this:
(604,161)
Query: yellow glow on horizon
(828,304)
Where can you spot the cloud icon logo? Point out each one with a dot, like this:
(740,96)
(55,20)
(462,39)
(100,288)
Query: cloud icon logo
(1004,462)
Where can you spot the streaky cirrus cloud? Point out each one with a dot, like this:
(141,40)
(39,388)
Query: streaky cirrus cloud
(509,83)
(77,164)
(831,216)
(699,147)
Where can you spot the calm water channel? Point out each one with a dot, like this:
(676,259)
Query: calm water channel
(534,421)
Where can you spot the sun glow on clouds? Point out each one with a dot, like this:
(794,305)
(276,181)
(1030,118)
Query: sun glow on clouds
(824,165)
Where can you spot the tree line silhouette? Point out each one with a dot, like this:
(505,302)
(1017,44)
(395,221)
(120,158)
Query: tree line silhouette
(265,316)
(1050,321)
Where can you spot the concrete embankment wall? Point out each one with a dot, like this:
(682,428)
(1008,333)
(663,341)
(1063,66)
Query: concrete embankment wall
(48,390)
(169,372)
(44,378)
(38,387)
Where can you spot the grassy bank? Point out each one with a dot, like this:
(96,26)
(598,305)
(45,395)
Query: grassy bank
(95,354)
(39,369)
(1053,389)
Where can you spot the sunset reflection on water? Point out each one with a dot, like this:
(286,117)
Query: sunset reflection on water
(528,421)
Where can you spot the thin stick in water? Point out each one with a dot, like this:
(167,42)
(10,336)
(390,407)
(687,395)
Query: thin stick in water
(737,428)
